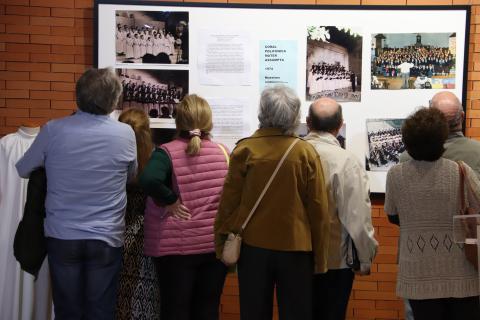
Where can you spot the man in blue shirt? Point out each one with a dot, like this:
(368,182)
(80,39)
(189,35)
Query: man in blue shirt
(88,158)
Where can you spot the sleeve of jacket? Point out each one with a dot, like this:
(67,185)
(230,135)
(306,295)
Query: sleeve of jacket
(317,210)
(355,212)
(230,199)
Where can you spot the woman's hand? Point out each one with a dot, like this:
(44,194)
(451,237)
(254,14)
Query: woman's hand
(178,210)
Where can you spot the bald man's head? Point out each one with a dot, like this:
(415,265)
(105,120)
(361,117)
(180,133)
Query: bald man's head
(451,107)
(325,114)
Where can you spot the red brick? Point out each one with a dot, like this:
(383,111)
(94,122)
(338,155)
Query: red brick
(7,56)
(26,29)
(374,295)
(387,286)
(49,113)
(14,19)
(54,95)
(42,104)
(63,86)
(45,76)
(22,66)
(36,48)
(16,2)
(14,94)
(28,11)
(63,49)
(15,38)
(2,84)
(85,31)
(84,13)
(375,314)
(8,112)
(388,305)
(365,285)
(63,104)
(20,121)
(11,75)
(7,130)
(53,3)
(2,65)
(2,27)
(62,12)
(63,31)
(84,59)
(66,67)
(83,3)
(52,39)
(81,41)
(31,85)
(16,103)
(47,57)
(51,21)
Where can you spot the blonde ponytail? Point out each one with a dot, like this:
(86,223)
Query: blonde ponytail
(193,147)
(195,116)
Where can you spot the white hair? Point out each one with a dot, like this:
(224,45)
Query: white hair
(279,108)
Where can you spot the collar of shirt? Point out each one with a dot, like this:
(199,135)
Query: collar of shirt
(324,137)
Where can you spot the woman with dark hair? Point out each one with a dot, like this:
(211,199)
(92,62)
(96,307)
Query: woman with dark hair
(422,196)
(138,293)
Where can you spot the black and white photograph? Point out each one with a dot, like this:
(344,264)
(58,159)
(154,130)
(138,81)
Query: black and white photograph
(413,61)
(384,143)
(334,63)
(159,37)
(157,92)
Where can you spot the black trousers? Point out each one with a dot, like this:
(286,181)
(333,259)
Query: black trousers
(331,292)
(446,309)
(190,286)
(262,270)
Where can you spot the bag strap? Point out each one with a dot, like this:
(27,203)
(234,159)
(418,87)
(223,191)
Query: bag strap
(461,171)
(225,153)
(268,184)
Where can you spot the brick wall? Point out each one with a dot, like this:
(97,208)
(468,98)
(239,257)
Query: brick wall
(46,44)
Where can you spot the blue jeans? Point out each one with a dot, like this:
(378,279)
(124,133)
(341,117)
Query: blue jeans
(84,277)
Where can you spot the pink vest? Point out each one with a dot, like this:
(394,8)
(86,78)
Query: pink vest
(198,181)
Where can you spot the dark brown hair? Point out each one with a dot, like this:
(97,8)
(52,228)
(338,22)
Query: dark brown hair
(424,134)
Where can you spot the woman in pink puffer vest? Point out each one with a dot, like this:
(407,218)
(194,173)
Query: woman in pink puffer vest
(184,180)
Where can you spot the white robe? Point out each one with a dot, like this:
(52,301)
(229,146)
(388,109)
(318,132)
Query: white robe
(20,297)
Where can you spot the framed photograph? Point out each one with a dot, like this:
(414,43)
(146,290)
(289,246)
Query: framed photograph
(334,63)
(384,143)
(413,60)
(159,37)
(380,63)
(157,92)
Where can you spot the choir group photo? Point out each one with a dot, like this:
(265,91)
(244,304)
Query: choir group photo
(151,37)
(413,61)
(384,143)
(157,92)
(334,63)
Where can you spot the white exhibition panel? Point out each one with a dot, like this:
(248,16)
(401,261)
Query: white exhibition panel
(274,24)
